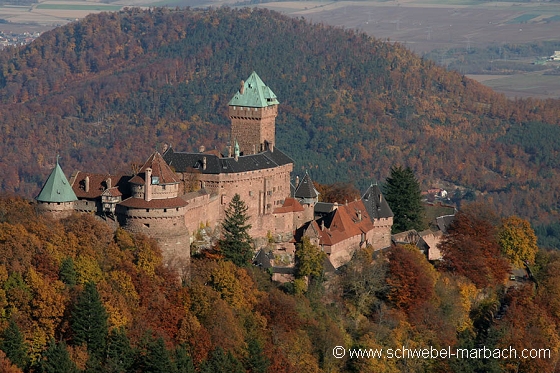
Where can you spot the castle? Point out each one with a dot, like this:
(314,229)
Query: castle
(175,193)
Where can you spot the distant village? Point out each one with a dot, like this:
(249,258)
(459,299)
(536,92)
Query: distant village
(179,198)
(8,38)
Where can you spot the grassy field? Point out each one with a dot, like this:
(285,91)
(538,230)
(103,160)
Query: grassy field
(73,6)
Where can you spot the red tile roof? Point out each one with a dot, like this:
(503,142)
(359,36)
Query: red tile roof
(344,223)
(139,203)
(97,184)
(290,205)
(159,167)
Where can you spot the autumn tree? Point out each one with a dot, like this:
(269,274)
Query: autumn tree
(471,247)
(89,320)
(6,365)
(402,192)
(517,240)
(235,243)
(363,280)
(309,259)
(411,279)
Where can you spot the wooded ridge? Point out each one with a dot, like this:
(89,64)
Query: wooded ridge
(104,91)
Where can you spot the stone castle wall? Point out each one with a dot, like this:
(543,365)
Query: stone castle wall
(381,234)
(202,210)
(56,210)
(251,127)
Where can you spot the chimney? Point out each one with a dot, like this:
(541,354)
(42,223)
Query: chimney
(254,149)
(108,182)
(297,181)
(242,88)
(201,149)
(346,203)
(204,163)
(87,184)
(229,151)
(323,225)
(271,146)
(165,147)
(359,215)
(148,185)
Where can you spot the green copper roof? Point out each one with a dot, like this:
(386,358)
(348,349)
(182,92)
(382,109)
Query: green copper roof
(57,188)
(255,94)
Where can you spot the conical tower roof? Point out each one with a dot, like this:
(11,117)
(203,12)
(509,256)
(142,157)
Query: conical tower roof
(57,188)
(305,189)
(254,93)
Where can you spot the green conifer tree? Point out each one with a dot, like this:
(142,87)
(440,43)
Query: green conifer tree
(220,362)
(155,357)
(183,361)
(68,273)
(257,362)
(56,359)
(120,355)
(236,241)
(402,192)
(89,320)
(14,346)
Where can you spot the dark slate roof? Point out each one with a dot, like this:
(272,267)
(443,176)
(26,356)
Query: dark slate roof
(263,259)
(376,205)
(193,162)
(323,208)
(444,222)
(305,188)
(284,270)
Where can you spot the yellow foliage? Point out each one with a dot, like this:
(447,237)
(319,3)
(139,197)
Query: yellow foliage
(36,340)
(87,269)
(518,240)
(147,256)
(234,285)
(48,302)
(79,355)
(298,348)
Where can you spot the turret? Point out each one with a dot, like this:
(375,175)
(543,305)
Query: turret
(56,197)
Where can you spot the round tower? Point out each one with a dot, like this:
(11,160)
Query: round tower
(156,210)
(56,197)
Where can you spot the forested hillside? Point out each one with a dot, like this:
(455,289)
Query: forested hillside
(104,91)
(78,297)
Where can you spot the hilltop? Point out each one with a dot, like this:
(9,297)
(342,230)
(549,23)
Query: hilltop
(104,91)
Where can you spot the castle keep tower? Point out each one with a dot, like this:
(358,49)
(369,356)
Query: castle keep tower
(253,112)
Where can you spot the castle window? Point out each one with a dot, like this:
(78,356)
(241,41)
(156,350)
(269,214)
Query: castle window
(164,210)
(147,225)
(147,210)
